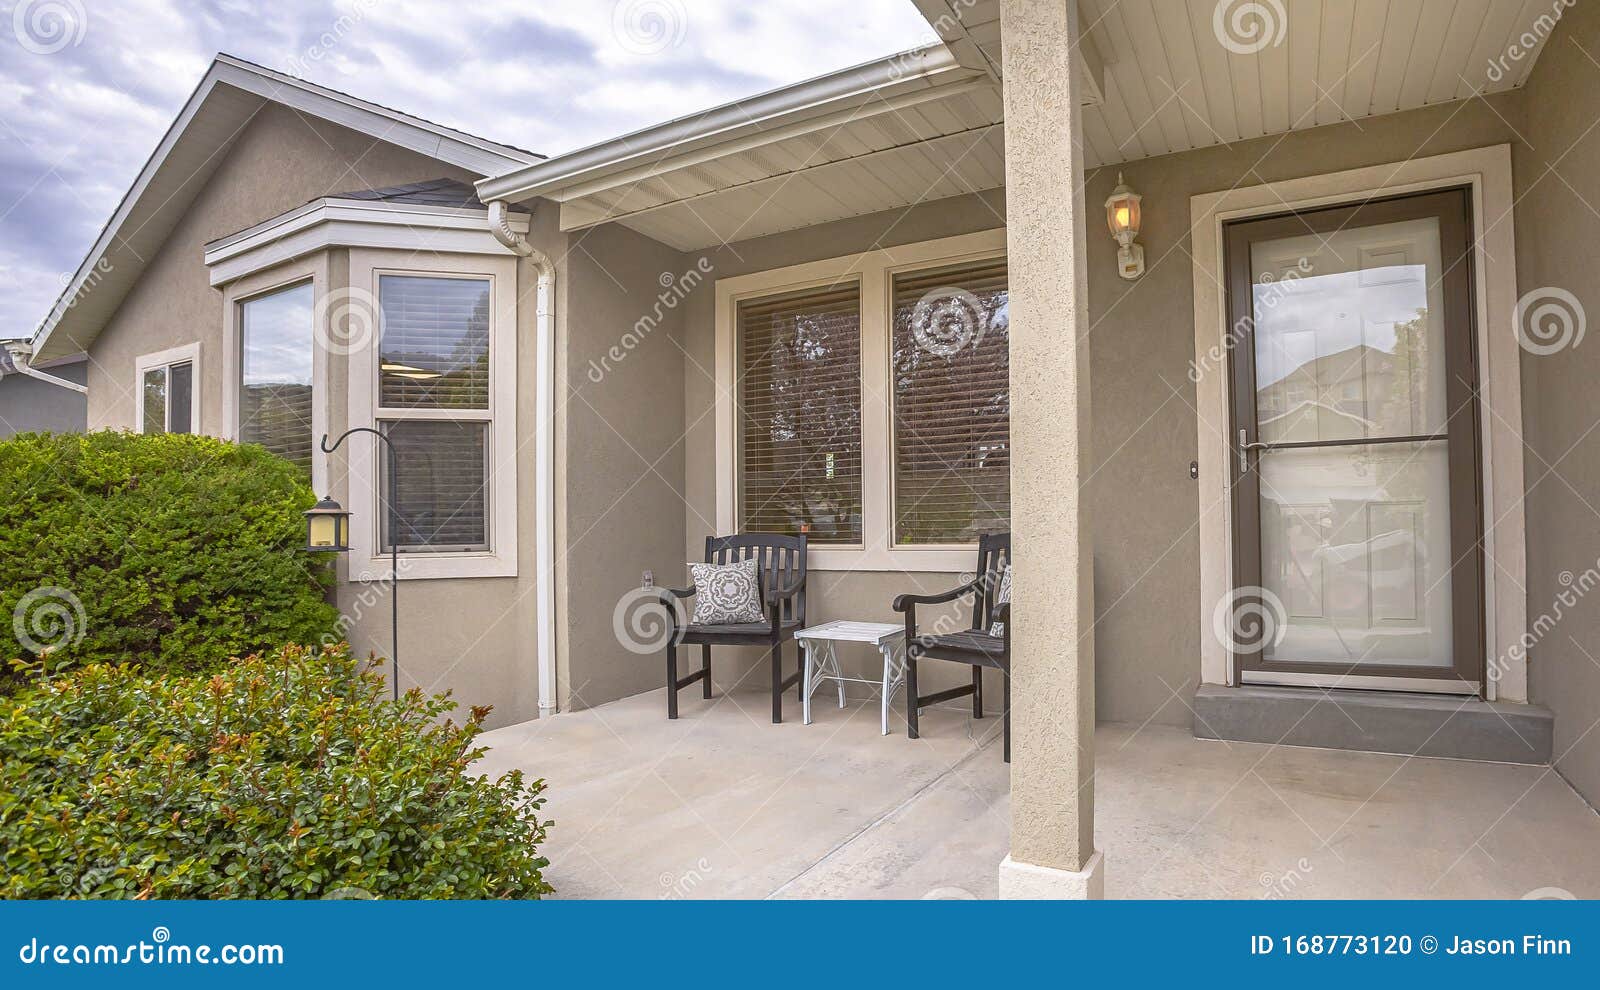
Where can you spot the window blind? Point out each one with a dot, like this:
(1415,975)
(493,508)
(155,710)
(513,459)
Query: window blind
(434,342)
(444,502)
(275,389)
(952,404)
(800,414)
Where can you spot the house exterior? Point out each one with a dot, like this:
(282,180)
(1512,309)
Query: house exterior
(30,404)
(1346,394)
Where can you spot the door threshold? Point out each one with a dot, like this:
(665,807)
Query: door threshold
(1364,682)
(1407,724)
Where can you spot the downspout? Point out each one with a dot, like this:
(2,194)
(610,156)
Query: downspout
(21,352)
(544,451)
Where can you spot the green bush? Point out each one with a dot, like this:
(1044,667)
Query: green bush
(289,774)
(172,552)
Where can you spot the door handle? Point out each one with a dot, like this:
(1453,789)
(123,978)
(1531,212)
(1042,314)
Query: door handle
(1245,447)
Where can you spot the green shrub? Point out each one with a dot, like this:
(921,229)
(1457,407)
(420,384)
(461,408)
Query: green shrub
(173,552)
(288,775)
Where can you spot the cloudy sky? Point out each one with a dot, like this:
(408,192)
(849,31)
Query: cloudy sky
(87,87)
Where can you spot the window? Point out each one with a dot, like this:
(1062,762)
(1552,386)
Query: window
(433,402)
(800,414)
(165,390)
(275,394)
(952,403)
(865,401)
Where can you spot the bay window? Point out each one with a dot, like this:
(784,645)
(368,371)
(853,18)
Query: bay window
(275,391)
(433,403)
(435,371)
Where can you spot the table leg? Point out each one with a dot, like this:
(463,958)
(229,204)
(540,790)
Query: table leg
(838,672)
(805,682)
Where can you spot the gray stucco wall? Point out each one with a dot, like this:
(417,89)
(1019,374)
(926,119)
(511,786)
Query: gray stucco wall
(1558,244)
(621,426)
(28,405)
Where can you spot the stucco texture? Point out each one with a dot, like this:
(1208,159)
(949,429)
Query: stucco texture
(1557,174)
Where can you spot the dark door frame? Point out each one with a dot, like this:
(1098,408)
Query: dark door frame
(1453,209)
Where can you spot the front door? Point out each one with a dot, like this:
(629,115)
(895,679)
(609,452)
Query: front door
(1354,445)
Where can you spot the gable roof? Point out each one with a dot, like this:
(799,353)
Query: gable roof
(224,102)
(433,192)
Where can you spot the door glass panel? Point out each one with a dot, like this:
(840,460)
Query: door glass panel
(1355,544)
(1349,334)
(1355,537)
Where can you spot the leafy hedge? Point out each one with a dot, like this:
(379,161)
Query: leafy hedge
(173,552)
(288,775)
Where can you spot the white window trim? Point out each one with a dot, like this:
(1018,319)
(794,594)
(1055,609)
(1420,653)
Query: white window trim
(1487,172)
(316,270)
(500,560)
(874,270)
(183,353)
(327,223)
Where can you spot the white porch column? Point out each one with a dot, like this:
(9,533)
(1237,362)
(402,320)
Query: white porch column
(1052,695)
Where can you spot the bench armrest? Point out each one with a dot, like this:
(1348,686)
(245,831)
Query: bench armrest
(908,603)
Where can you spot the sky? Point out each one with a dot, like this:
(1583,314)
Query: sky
(87,87)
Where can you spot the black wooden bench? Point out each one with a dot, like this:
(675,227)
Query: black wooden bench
(974,646)
(782,570)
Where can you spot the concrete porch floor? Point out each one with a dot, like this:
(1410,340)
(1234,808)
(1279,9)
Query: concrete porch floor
(722,803)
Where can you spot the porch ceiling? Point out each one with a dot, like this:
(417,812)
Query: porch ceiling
(1160,76)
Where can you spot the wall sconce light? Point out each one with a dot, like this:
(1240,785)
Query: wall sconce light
(1123,217)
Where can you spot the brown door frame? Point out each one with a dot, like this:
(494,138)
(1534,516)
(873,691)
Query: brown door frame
(1453,209)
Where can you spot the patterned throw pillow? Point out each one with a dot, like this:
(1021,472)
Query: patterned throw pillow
(726,593)
(1003,594)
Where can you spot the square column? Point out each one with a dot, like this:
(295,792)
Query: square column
(1052,647)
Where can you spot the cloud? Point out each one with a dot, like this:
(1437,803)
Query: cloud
(76,124)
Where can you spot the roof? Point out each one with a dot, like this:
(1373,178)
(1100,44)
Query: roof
(832,146)
(929,124)
(434,192)
(228,96)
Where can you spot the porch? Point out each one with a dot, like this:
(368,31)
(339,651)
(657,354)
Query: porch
(721,803)
(834,217)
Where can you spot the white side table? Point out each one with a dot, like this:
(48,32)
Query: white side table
(822,660)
